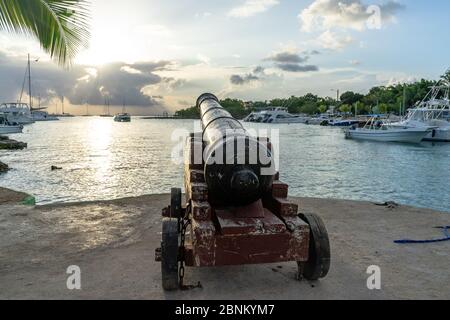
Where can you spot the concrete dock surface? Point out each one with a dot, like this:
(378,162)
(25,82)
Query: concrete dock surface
(113,243)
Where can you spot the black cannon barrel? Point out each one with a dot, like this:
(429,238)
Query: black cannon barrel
(237,165)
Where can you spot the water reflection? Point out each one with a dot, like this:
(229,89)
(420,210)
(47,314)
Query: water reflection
(102,159)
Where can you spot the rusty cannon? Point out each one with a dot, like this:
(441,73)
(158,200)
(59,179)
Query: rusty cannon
(236,210)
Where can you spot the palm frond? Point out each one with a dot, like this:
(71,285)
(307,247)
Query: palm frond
(61,26)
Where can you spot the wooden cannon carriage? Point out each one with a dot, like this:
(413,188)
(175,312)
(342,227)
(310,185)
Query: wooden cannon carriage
(233,214)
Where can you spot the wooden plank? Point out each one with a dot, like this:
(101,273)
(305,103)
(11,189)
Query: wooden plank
(281,207)
(203,242)
(280,190)
(196,176)
(201,210)
(232,225)
(193,154)
(252,249)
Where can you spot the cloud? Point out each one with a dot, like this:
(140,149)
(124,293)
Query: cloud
(241,80)
(287,57)
(346,14)
(252,7)
(355,62)
(333,41)
(203,59)
(291,61)
(203,14)
(293,67)
(85,84)
(401,80)
(153,30)
(259,70)
(258,73)
(152,66)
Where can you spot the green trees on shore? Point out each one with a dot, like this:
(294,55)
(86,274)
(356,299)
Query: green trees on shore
(383,99)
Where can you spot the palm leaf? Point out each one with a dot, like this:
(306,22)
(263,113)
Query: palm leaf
(61,26)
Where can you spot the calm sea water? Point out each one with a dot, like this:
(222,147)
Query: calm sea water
(102,160)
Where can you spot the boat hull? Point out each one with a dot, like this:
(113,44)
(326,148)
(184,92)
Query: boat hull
(46,119)
(10,129)
(405,136)
(290,121)
(20,120)
(438,135)
(122,119)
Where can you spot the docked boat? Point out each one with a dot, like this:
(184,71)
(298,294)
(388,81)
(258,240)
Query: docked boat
(274,116)
(122,117)
(7,127)
(17,113)
(375,130)
(339,122)
(433,112)
(316,121)
(43,116)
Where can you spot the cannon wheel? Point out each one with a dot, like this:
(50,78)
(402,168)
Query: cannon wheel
(318,264)
(169,254)
(175,203)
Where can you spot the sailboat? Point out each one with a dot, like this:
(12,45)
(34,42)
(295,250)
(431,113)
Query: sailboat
(18,112)
(39,115)
(87,111)
(106,113)
(122,117)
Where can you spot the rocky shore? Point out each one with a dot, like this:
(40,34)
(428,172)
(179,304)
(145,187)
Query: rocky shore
(9,144)
(113,243)
(3,167)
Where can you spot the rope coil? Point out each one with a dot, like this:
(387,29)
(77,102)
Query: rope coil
(444,229)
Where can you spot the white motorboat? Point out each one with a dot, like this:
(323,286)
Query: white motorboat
(7,127)
(17,112)
(432,112)
(375,130)
(274,116)
(316,121)
(339,122)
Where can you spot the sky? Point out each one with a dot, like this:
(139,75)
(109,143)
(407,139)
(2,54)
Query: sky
(155,55)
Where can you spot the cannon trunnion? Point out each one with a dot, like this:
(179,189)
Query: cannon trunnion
(237,212)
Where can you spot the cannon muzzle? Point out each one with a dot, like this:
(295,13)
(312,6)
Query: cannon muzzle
(237,165)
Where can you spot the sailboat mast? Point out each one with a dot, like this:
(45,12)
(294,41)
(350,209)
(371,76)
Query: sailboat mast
(403,111)
(29,82)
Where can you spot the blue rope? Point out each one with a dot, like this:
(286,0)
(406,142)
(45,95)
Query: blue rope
(446,233)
